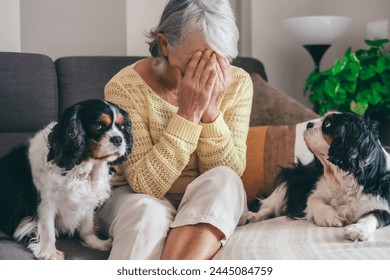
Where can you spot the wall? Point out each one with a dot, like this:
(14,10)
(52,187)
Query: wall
(73,27)
(141,18)
(287,63)
(9,26)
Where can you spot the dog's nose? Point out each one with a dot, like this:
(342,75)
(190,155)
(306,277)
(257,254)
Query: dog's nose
(116,140)
(309,125)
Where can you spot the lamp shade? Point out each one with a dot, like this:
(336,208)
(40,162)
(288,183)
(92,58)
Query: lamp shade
(316,30)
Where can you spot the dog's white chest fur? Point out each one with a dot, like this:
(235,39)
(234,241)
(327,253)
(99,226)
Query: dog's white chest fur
(340,205)
(69,194)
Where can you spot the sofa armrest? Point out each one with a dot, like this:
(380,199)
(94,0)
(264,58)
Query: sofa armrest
(273,107)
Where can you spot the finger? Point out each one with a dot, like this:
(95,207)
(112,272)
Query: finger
(202,64)
(224,66)
(210,66)
(219,70)
(191,68)
(179,76)
(211,80)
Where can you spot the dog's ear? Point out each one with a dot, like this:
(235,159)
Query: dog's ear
(373,117)
(351,146)
(342,154)
(127,133)
(66,141)
(372,125)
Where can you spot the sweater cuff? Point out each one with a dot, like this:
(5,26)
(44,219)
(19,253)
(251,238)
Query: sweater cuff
(216,129)
(184,129)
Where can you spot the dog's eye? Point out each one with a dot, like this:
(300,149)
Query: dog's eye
(327,123)
(97,127)
(121,127)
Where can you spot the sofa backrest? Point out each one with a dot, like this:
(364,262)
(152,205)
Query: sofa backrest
(28,96)
(84,77)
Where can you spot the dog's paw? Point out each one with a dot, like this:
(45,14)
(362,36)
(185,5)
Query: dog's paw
(253,217)
(55,255)
(357,232)
(48,252)
(328,219)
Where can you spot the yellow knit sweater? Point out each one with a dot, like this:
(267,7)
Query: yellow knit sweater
(169,151)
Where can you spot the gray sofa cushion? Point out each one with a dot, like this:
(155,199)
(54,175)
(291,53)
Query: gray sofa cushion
(271,106)
(28,91)
(81,78)
(11,250)
(28,94)
(251,65)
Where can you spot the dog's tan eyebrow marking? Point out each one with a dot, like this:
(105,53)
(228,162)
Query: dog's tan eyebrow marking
(106,119)
(120,119)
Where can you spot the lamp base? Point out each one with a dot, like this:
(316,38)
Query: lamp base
(317,52)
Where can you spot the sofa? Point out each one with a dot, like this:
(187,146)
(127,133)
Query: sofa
(35,90)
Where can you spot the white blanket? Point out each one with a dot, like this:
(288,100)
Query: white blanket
(286,239)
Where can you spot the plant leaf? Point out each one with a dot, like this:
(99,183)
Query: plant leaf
(364,55)
(349,76)
(375,97)
(338,67)
(341,96)
(378,87)
(349,86)
(377,43)
(383,64)
(331,85)
(354,66)
(312,79)
(367,73)
(358,107)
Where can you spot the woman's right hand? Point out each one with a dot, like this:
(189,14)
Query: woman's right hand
(196,85)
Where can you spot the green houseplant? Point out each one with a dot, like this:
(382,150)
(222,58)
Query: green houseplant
(357,82)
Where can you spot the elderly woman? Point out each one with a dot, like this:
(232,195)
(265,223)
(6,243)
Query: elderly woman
(190,112)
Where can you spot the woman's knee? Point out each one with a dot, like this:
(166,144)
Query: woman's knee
(217,197)
(140,227)
(226,180)
(220,183)
(141,213)
(152,210)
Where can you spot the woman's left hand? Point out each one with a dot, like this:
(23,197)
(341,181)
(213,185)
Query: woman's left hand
(223,80)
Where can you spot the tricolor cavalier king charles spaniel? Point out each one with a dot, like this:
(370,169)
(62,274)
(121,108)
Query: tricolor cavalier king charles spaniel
(52,184)
(347,183)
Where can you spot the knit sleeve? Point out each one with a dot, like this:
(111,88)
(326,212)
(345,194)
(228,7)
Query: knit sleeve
(152,167)
(223,142)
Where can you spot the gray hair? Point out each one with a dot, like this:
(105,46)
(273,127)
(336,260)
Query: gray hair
(213,19)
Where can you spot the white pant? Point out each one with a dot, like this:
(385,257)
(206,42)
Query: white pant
(139,223)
